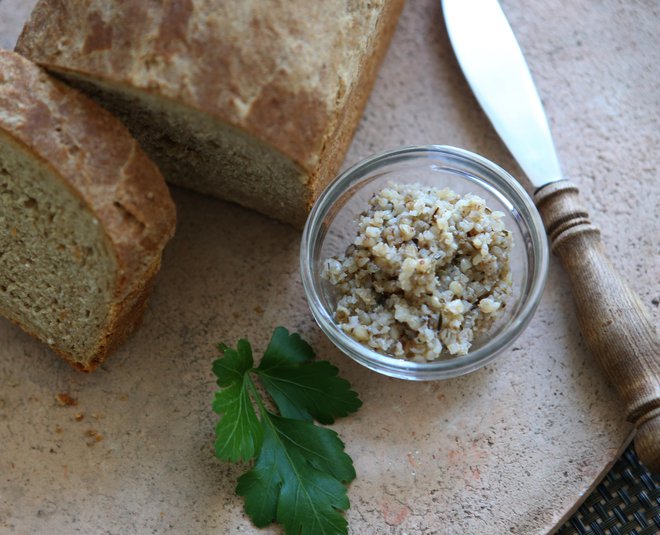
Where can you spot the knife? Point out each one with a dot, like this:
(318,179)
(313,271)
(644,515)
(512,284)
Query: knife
(613,321)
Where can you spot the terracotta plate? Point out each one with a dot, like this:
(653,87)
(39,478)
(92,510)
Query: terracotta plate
(508,449)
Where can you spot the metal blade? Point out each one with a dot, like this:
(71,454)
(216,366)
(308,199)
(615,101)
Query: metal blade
(495,68)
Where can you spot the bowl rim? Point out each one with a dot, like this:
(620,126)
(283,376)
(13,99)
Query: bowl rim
(438,369)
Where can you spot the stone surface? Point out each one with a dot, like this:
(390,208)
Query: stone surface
(508,449)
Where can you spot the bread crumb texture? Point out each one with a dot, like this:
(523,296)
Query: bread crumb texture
(84,216)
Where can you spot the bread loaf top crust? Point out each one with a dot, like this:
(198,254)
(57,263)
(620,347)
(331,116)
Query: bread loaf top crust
(96,157)
(281,70)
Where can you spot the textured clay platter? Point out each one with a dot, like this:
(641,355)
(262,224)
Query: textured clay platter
(508,449)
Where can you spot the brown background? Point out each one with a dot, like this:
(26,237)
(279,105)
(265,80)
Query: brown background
(508,449)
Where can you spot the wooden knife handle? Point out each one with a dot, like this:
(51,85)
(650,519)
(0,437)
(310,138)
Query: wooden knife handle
(613,320)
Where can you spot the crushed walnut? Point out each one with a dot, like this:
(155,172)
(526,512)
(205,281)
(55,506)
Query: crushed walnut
(427,271)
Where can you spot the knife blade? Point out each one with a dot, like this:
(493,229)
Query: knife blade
(495,68)
(613,321)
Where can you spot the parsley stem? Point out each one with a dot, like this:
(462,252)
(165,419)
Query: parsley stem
(255,394)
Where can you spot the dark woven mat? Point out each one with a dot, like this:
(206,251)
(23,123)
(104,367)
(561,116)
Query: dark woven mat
(626,502)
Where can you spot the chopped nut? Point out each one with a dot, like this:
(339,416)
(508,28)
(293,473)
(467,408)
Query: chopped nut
(372,232)
(427,270)
(456,288)
(488,305)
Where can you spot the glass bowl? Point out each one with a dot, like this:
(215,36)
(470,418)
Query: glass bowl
(332,226)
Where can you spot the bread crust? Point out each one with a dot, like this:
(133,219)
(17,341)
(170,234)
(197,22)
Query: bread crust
(295,74)
(94,156)
(338,138)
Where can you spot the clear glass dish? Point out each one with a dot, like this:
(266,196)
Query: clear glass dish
(332,225)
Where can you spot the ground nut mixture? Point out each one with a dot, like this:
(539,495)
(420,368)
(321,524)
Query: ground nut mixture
(427,270)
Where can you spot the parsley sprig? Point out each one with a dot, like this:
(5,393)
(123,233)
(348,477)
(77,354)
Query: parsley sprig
(301,469)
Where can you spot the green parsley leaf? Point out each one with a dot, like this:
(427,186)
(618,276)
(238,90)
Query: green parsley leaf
(299,480)
(239,433)
(285,347)
(235,362)
(301,469)
(309,391)
(302,389)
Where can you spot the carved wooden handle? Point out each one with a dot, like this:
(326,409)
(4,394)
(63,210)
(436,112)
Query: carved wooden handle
(614,322)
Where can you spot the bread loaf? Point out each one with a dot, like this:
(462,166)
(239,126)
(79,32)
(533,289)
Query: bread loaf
(254,101)
(84,216)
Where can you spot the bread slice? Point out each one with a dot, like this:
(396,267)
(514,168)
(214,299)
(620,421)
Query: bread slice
(84,216)
(254,101)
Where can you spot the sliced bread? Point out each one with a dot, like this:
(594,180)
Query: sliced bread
(254,101)
(84,216)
